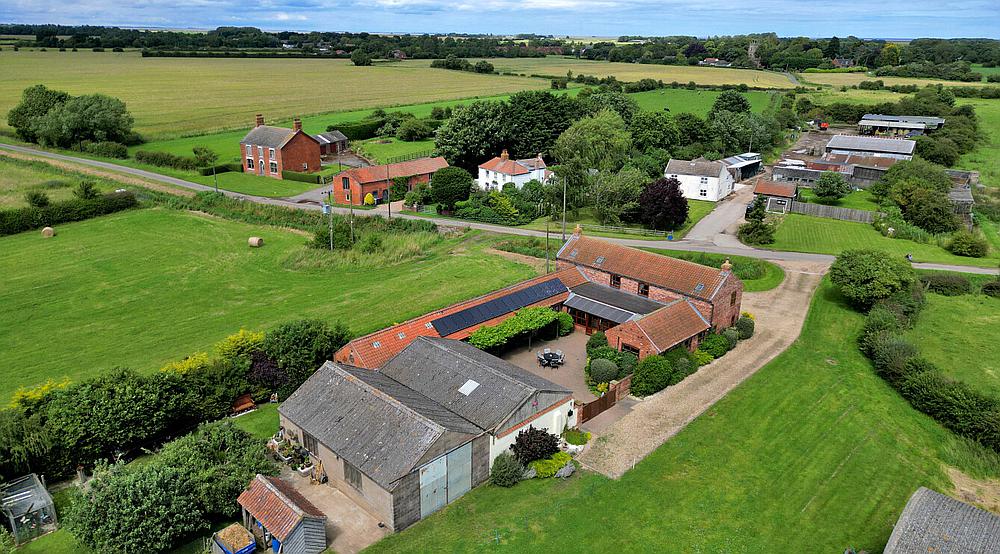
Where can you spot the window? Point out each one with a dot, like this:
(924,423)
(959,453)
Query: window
(260,151)
(270,153)
(732,299)
(309,442)
(674,176)
(274,167)
(376,344)
(629,348)
(250,164)
(249,150)
(643,289)
(703,192)
(616,281)
(704,180)
(346,183)
(352,475)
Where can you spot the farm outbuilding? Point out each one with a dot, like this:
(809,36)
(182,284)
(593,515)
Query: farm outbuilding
(777,194)
(28,508)
(281,518)
(933,522)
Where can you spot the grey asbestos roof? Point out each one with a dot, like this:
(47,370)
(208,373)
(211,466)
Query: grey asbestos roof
(617,298)
(871,144)
(378,425)
(438,368)
(702,168)
(933,522)
(926,120)
(265,135)
(598,309)
(961,194)
(330,136)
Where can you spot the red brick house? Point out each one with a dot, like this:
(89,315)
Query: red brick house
(351,186)
(267,150)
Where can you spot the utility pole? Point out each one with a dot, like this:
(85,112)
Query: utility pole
(388,184)
(546,245)
(329,207)
(564,211)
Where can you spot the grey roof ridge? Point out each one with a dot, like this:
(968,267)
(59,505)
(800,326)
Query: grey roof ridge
(617,290)
(360,383)
(604,303)
(698,312)
(725,277)
(565,244)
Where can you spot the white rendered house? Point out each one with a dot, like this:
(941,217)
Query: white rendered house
(701,179)
(494,174)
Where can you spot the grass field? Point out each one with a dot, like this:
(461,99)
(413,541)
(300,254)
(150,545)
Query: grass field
(850,79)
(986,71)
(382,150)
(803,233)
(144,287)
(959,334)
(698,102)
(857,200)
(814,453)
(986,157)
(558,66)
(18,177)
(172,97)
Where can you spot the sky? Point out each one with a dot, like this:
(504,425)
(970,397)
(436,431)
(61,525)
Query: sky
(862,18)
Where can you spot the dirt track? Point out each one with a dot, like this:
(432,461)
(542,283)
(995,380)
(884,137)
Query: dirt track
(779,315)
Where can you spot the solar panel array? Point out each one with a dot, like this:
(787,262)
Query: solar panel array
(498,306)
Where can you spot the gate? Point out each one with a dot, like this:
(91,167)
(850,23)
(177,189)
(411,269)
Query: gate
(592,409)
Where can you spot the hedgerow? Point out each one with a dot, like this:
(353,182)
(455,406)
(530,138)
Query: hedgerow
(27,218)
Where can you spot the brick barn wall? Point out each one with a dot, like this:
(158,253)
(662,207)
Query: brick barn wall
(301,149)
(630,334)
(726,310)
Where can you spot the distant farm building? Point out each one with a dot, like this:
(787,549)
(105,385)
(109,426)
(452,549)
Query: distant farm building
(859,170)
(497,172)
(351,186)
(898,125)
(267,150)
(842,62)
(743,166)
(715,62)
(777,195)
(878,147)
(331,143)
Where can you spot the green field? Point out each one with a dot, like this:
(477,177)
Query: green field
(144,287)
(959,334)
(698,102)
(986,157)
(814,453)
(850,79)
(857,200)
(19,177)
(803,233)
(986,71)
(172,97)
(382,150)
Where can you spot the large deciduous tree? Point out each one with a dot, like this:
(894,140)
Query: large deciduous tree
(662,205)
(95,117)
(831,186)
(474,134)
(730,101)
(615,196)
(654,130)
(866,276)
(36,102)
(450,185)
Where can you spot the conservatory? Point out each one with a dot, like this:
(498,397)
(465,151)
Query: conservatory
(28,508)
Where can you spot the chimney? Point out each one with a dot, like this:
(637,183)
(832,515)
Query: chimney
(297,124)
(504,155)
(726,265)
(260,119)
(539,155)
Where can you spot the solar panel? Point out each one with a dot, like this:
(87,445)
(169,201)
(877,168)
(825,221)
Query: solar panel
(498,306)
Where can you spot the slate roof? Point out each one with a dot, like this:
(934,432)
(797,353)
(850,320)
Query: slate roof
(871,144)
(772,188)
(277,505)
(330,136)
(378,425)
(617,298)
(377,173)
(933,522)
(859,160)
(687,278)
(438,368)
(599,309)
(672,324)
(703,168)
(268,136)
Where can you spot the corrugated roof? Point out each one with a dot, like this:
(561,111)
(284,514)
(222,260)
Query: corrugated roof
(772,188)
(933,522)
(926,120)
(872,144)
(377,173)
(672,324)
(277,505)
(438,368)
(268,136)
(330,136)
(599,309)
(702,168)
(618,298)
(687,278)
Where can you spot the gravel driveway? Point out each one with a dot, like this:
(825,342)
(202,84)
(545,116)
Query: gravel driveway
(779,315)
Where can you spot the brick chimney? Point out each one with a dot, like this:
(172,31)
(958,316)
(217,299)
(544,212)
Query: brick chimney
(297,124)
(260,119)
(504,155)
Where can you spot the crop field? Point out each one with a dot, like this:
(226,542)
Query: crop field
(698,102)
(558,66)
(849,79)
(803,233)
(106,292)
(172,97)
(958,333)
(814,453)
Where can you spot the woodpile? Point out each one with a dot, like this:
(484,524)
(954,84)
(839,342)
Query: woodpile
(255,242)
(48,232)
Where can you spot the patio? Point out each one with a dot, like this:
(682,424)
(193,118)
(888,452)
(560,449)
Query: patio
(569,374)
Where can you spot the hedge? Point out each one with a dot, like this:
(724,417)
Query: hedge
(107,149)
(27,218)
(166,159)
(301,177)
(359,130)
(947,285)
(222,168)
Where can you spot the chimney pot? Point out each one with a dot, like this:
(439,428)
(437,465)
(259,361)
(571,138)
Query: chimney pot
(504,155)
(260,119)
(297,124)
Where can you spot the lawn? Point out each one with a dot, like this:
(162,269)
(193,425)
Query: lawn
(757,275)
(145,287)
(857,200)
(697,209)
(959,334)
(803,233)
(986,157)
(387,150)
(698,102)
(261,423)
(18,177)
(814,453)
(172,97)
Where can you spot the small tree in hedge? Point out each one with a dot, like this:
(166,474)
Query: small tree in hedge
(300,347)
(597,340)
(745,326)
(37,199)
(866,276)
(450,185)
(207,158)
(86,191)
(413,130)
(651,375)
(506,470)
(603,371)
(831,186)
(534,444)
(756,230)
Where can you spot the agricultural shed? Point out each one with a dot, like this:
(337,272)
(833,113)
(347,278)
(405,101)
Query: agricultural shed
(901,149)
(29,509)
(933,522)
(281,518)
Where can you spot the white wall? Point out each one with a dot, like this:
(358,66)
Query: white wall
(487,178)
(716,188)
(553,421)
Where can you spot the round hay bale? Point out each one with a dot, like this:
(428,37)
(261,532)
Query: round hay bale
(255,242)
(48,232)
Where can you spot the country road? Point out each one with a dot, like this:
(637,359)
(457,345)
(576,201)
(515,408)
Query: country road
(719,244)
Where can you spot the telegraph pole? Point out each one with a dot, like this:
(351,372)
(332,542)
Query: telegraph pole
(564,211)
(388,185)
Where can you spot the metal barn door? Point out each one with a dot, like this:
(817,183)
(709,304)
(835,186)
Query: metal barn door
(433,486)
(459,472)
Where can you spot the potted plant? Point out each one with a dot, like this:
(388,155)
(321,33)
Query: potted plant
(285,452)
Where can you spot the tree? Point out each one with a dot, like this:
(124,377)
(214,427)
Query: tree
(37,198)
(413,130)
(483,66)
(831,186)
(889,55)
(360,58)
(450,185)
(730,101)
(600,142)
(475,133)
(741,131)
(302,346)
(756,230)
(866,276)
(832,49)
(86,190)
(653,130)
(207,157)
(535,119)
(651,375)
(618,102)
(615,196)
(938,150)
(94,117)
(36,102)
(930,210)
(662,205)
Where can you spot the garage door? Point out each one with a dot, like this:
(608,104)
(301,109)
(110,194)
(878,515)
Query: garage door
(459,472)
(433,486)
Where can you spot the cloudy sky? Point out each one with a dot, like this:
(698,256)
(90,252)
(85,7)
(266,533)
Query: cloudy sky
(864,18)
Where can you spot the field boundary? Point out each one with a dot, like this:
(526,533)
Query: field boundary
(833,212)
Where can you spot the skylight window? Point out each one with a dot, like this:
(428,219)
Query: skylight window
(573,253)
(699,287)
(428,325)
(600,260)
(468,387)
(376,344)
(401,335)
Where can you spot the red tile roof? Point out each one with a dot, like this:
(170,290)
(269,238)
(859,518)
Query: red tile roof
(772,188)
(363,352)
(277,505)
(672,324)
(687,278)
(507,167)
(855,159)
(377,173)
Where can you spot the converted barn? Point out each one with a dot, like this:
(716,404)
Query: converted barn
(281,518)
(331,143)
(355,184)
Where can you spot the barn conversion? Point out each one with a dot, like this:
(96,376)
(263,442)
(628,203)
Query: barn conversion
(901,149)
(410,438)
(351,186)
(268,151)
(933,522)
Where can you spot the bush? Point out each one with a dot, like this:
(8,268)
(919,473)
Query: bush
(6,541)
(867,276)
(300,347)
(450,185)
(534,444)
(548,467)
(370,244)
(27,218)
(506,470)
(745,327)
(603,371)
(166,159)
(239,347)
(964,243)
(37,199)
(565,323)
(300,176)
(881,322)
(715,345)
(956,405)
(732,336)
(756,232)
(947,285)
(576,437)
(651,375)
(597,340)
(107,149)
(196,361)
(991,289)
(700,357)
(682,368)
(413,130)
(890,355)
(86,190)
(627,363)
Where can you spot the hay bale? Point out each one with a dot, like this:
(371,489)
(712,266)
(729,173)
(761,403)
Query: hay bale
(255,242)
(48,232)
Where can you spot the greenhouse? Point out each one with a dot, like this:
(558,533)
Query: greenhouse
(28,508)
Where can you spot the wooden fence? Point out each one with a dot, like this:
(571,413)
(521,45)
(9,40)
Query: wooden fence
(617,390)
(833,212)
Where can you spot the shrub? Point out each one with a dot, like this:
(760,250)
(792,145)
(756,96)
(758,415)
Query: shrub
(265,372)
(597,340)
(506,470)
(534,444)
(756,232)
(369,199)
(890,355)
(107,149)
(37,199)
(880,319)
(627,362)
(370,244)
(715,345)
(947,285)
(964,243)
(955,405)
(239,347)
(450,185)
(6,541)
(651,375)
(300,347)
(700,357)
(991,289)
(682,368)
(867,276)
(732,335)
(86,190)
(413,130)
(166,159)
(565,323)
(745,327)
(30,217)
(603,371)
(548,467)
(576,437)
(300,176)
(198,360)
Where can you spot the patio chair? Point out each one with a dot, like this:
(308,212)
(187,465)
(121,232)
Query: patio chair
(548,350)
